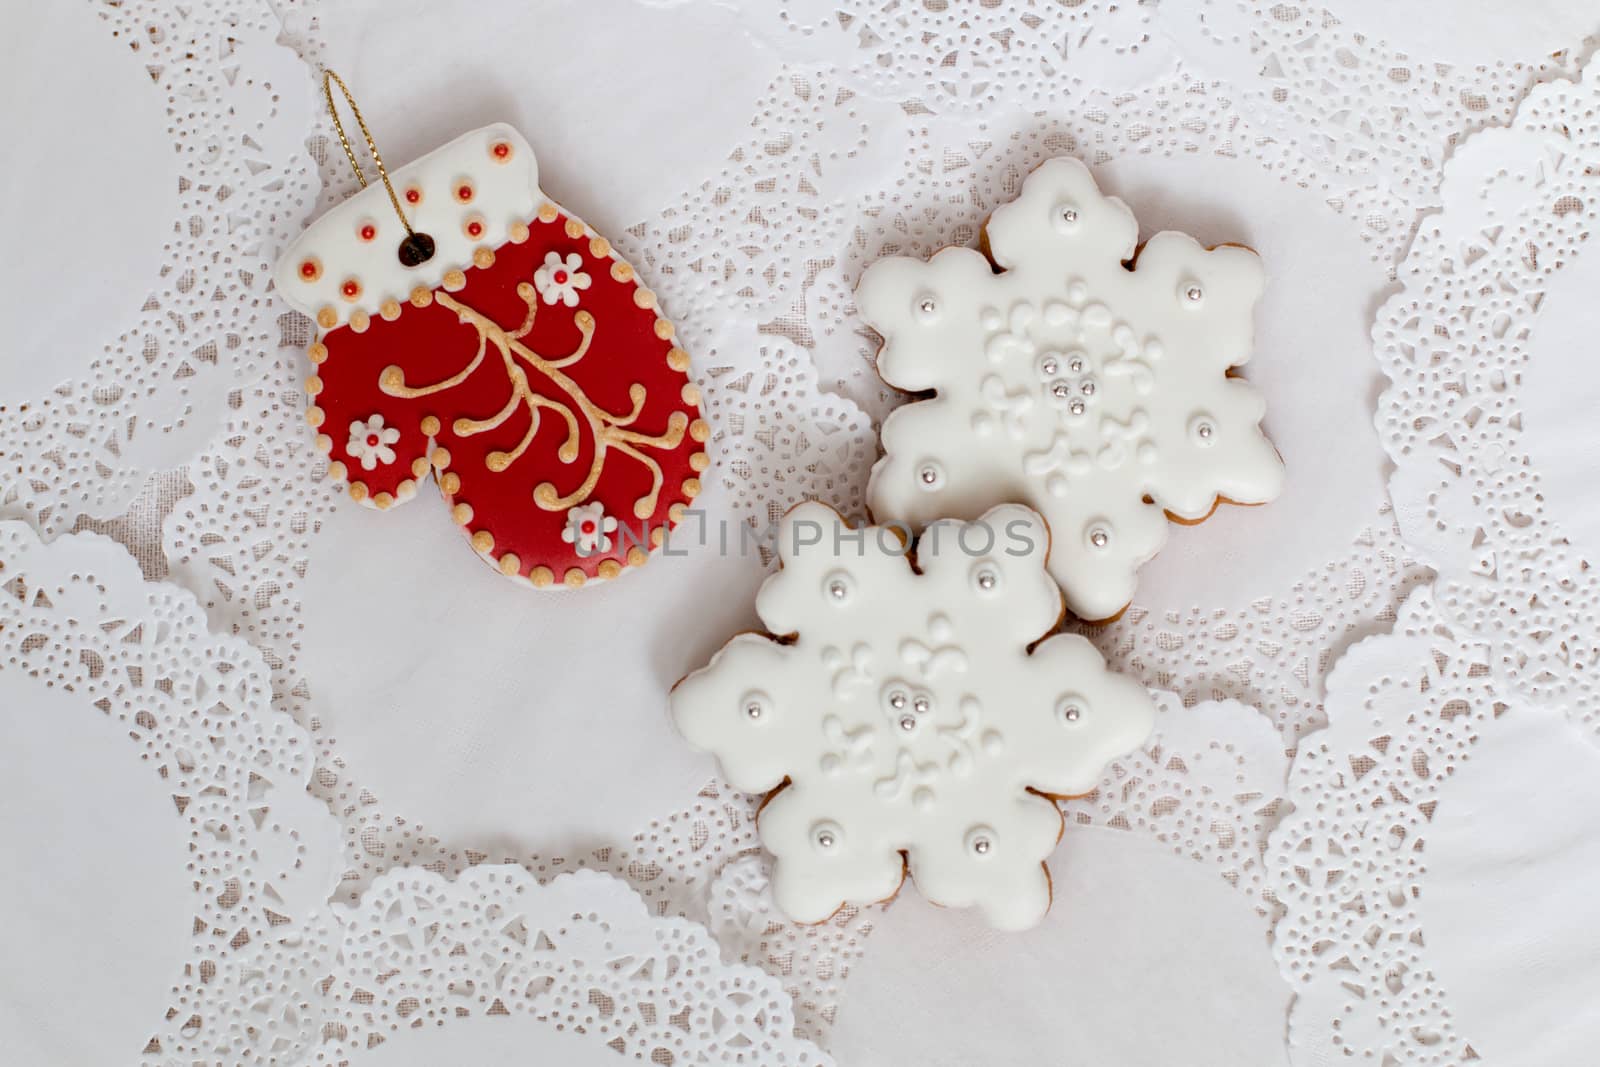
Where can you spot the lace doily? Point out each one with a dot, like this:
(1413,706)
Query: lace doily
(1388,951)
(1435,806)
(218,113)
(1478,347)
(1315,93)
(86,646)
(580,954)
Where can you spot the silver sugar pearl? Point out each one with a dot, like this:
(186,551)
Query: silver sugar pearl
(920,705)
(982,846)
(927,306)
(1204,430)
(825,839)
(1049,366)
(1076,407)
(907,723)
(837,590)
(1087,388)
(1069,215)
(1072,712)
(1060,390)
(897,700)
(1075,365)
(986,580)
(753,709)
(1194,292)
(929,475)
(1099,538)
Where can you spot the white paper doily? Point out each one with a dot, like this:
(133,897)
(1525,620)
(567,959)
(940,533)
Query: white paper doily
(580,955)
(97,665)
(1440,801)
(154,199)
(1486,346)
(1437,872)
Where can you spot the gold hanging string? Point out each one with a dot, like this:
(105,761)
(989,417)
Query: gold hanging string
(329,79)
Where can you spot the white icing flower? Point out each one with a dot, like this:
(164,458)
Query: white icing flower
(907,714)
(559,281)
(588,527)
(370,440)
(1095,394)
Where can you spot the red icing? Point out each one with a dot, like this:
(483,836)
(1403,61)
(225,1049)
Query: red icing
(433,344)
(413,196)
(308,269)
(352,289)
(502,151)
(368,232)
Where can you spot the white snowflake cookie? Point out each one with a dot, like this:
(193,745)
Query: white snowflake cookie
(1095,393)
(905,718)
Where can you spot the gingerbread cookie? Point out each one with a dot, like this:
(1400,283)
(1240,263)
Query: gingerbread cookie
(1088,386)
(905,717)
(505,351)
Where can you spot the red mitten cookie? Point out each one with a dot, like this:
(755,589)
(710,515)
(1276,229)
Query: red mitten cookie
(522,365)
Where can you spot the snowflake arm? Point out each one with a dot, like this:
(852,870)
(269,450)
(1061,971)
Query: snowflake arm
(1190,482)
(949,869)
(825,859)
(1090,721)
(917,485)
(904,301)
(1060,207)
(743,707)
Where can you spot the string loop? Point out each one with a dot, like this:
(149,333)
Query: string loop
(329,79)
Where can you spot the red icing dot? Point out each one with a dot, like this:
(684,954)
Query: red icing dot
(351,288)
(501,150)
(588,526)
(413,195)
(463,192)
(309,269)
(475,228)
(372,440)
(368,232)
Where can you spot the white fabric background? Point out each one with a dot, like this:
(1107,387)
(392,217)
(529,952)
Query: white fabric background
(1359,828)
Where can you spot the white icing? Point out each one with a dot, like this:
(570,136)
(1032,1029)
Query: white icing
(370,442)
(1095,394)
(504,192)
(560,280)
(589,527)
(908,715)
